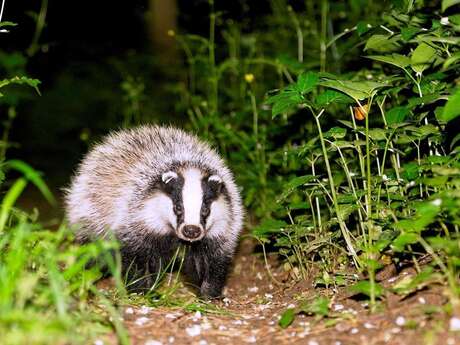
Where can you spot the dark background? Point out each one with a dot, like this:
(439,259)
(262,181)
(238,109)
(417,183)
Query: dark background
(86,50)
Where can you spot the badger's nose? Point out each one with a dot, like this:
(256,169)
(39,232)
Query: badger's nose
(191,232)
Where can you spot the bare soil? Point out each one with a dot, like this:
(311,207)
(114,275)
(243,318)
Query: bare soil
(254,303)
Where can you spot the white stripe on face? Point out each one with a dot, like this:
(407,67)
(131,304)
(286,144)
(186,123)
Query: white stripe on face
(192,196)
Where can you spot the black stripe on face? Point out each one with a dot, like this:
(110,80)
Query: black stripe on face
(211,192)
(173,189)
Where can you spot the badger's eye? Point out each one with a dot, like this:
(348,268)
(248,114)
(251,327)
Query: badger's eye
(178,209)
(205,211)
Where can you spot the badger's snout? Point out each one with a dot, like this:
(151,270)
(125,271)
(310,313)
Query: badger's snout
(191,232)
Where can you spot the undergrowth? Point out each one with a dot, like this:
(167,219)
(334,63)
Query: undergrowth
(340,125)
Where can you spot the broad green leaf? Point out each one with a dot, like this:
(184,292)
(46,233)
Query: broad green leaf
(295,183)
(365,287)
(306,82)
(268,227)
(422,57)
(331,96)
(396,115)
(409,284)
(285,100)
(3,24)
(287,318)
(404,239)
(362,28)
(358,90)
(336,133)
(377,134)
(452,108)
(319,306)
(381,43)
(449,3)
(409,32)
(21,80)
(397,60)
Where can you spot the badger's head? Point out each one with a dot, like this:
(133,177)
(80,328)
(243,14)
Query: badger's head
(190,202)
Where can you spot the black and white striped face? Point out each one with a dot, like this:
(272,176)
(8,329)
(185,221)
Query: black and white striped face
(189,201)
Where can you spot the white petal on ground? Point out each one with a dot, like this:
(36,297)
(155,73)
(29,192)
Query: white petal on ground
(454,324)
(193,331)
(141,321)
(153,342)
(129,310)
(400,321)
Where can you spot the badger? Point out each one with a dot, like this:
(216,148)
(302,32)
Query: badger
(155,188)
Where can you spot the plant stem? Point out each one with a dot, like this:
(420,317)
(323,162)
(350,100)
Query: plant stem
(342,225)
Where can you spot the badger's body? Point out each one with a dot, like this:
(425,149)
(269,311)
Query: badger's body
(154,188)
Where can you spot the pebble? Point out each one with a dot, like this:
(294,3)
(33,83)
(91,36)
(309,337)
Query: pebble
(129,310)
(222,328)
(421,300)
(395,330)
(354,330)
(454,324)
(259,276)
(338,307)
(253,289)
(145,310)
(141,321)
(312,342)
(251,339)
(400,321)
(369,325)
(193,331)
(153,342)
(171,339)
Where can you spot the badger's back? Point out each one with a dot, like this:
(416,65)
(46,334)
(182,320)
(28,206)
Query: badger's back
(113,176)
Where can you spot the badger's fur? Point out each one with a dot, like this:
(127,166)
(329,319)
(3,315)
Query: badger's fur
(153,188)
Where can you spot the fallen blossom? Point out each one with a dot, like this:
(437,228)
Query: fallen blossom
(193,331)
(454,324)
(141,321)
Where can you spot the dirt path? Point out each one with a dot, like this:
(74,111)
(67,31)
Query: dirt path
(254,305)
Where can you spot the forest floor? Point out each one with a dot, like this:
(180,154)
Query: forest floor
(251,310)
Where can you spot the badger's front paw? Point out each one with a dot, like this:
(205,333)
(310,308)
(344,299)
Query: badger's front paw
(211,291)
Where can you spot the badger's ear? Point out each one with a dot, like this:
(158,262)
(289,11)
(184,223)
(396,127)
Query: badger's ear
(168,176)
(215,182)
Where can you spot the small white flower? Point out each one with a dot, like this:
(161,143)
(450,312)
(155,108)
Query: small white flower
(454,324)
(141,321)
(193,331)
(400,321)
(445,21)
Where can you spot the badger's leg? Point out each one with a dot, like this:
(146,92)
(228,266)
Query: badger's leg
(206,266)
(144,260)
